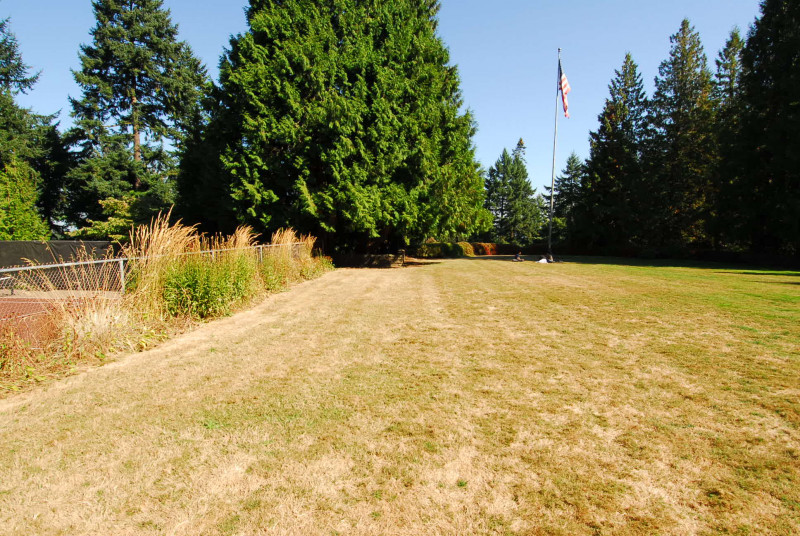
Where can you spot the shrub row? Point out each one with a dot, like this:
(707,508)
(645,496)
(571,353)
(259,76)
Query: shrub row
(454,249)
(440,250)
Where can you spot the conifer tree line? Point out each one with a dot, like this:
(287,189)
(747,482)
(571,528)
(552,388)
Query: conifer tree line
(340,118)
(344,119)
(709,162)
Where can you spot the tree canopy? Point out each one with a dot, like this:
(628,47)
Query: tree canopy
(342,118)
(683,152)
(141,89)
(614,179)
(14,73)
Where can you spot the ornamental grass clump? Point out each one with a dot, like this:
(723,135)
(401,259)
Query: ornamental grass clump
(152,253)
(167,276)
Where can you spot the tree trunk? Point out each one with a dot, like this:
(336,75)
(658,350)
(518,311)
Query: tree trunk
(137,141)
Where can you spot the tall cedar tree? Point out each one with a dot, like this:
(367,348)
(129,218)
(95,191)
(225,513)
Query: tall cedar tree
(19,147)
(341,118)
(726,204)
(518,212)
(683,153)
(612,197)
(141,92)
(768,157)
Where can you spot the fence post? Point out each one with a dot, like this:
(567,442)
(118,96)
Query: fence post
(122,276)
(260,254)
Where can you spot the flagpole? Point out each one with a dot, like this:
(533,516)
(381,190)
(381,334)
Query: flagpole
(553,176)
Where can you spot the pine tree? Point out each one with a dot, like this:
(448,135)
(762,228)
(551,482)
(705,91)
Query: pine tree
(341,118)
(726,201)
(14,73)
(683,153)
(768,159)
(568,200)
(613,203)
(16,123)
(141,91)
(729,69)
(518,212)
(568,187)
(498,194)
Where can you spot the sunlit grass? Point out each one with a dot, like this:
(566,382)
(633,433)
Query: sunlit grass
(473,396)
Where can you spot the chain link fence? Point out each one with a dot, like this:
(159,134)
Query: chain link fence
(28,293)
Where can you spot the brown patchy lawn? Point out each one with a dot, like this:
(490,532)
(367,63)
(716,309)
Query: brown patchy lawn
(474,396)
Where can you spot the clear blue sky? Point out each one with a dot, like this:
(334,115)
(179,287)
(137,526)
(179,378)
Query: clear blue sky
(506,52)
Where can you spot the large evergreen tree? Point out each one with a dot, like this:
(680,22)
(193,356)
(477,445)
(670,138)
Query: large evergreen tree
(20,146)
(568,187)
(141,91)
(768,157)
(726,202)
(613,199)
(518,212)
(568,202)
(341,118)
(683,153)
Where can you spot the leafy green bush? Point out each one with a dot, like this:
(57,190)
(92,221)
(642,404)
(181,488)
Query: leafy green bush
(466,247)
(190,289)
(276,272)
(202,287)
(438,250)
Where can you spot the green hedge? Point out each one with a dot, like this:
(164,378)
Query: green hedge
(438,250)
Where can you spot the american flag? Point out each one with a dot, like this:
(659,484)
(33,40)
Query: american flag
(564,87)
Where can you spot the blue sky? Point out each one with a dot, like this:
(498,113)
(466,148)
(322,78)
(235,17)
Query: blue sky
(506,52)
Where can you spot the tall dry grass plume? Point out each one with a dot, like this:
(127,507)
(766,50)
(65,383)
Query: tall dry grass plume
(166,276)
(151,251)
(289,258)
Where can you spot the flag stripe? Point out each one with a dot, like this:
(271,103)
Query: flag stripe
(564,87)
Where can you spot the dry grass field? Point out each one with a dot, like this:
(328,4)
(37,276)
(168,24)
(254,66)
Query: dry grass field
(471,396)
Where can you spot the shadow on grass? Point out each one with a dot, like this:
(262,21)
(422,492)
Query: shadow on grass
(720,267)
(412,263)
(783,273)
(504,258)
